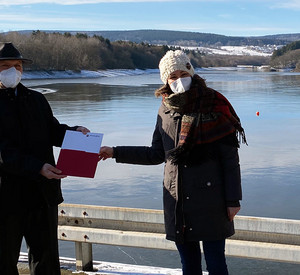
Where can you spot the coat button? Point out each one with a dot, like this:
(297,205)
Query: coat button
(177,232)
(191,229)
(187,198)
(208,184)
(185,166)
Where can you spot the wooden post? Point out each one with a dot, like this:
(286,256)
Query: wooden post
(84,256)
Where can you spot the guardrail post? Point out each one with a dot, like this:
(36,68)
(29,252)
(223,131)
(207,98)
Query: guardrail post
(84,256)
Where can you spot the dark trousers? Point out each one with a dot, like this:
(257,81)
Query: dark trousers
(39,228)
(214,253)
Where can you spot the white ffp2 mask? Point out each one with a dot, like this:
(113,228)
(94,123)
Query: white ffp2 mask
(181,85)
(10,78)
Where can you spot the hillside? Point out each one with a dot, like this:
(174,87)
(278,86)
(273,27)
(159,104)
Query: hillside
(287,56)
(286,37)
(181,38)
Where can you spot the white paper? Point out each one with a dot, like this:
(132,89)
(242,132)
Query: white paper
(74,140)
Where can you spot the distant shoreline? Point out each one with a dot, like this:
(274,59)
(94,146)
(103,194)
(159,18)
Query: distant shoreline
(69,74)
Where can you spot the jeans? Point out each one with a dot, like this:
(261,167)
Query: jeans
(214,253)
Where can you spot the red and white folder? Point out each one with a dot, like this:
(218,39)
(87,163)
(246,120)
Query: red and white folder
(79,154)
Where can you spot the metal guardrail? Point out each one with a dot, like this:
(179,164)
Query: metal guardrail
(263,238)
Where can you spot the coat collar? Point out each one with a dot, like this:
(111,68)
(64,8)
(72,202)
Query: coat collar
(172,113)
(11,92)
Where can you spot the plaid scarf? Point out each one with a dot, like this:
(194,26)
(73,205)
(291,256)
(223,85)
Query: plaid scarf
(207,116)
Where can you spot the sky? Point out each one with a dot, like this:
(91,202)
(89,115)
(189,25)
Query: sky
(225,17)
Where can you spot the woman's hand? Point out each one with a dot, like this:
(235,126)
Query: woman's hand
(82,130)
(106,152)
(232,211)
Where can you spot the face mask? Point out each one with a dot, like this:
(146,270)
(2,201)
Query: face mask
(10,78)
(181,85)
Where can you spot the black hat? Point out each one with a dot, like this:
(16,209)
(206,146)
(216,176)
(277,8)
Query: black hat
(9,52)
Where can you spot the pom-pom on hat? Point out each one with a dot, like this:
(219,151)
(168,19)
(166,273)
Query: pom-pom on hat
(173,61)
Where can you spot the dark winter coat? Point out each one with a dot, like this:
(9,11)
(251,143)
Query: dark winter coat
(28,132)
(195,194)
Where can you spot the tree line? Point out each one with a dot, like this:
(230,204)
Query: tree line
(56,51)
(287,57)
(66,51)
(184,38)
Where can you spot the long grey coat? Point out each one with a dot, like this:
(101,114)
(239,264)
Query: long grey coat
(195,196)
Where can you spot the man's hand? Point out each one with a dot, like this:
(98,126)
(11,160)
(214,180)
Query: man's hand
(106,152)
(232,211)
(50,172)
(83,130)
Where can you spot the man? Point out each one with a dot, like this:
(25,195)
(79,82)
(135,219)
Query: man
(29,182)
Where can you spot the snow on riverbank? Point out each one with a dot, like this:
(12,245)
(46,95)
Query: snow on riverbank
(84,73)
(31,75)
(266,50)
(114,268)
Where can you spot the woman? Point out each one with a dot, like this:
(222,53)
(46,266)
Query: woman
(196,136)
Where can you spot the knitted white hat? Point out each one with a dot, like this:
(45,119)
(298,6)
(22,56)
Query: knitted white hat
(173,61)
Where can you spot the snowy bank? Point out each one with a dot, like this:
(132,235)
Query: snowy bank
(266,50)
(114,268)
(84,73)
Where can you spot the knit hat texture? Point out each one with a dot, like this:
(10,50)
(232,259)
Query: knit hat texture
(173,61)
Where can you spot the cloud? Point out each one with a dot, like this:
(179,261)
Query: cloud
(20,19)
(293,4)
(275,3)
(81,2)
(72,2)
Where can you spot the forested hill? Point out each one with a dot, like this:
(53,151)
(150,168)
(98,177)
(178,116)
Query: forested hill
(287,56)
(181,38)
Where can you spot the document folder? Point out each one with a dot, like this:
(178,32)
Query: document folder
(79,154)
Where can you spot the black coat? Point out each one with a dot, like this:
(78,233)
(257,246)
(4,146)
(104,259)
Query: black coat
(27,136)
(196,194)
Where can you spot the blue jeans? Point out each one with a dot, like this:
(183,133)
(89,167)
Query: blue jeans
(214,253)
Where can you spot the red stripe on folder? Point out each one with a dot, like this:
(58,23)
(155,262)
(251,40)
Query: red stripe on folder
(77,163)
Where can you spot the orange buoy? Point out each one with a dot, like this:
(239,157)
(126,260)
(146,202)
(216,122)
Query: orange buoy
(257,113)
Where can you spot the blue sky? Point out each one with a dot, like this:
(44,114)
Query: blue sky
(227,17)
